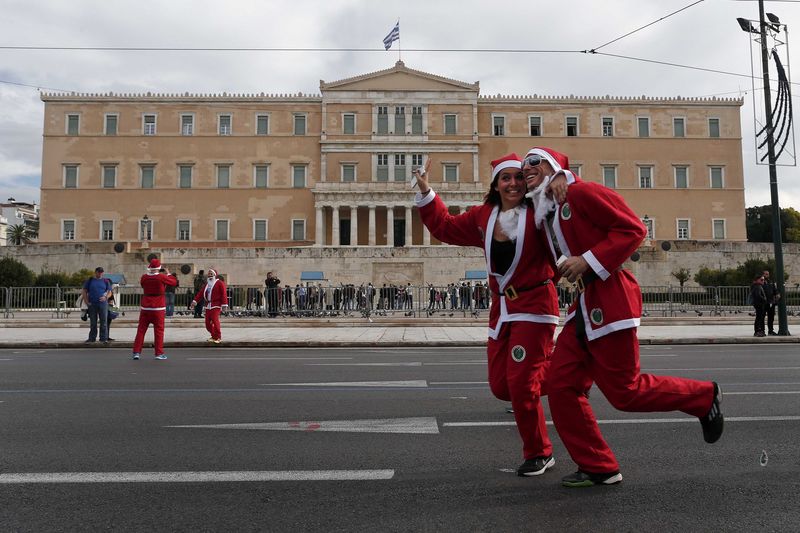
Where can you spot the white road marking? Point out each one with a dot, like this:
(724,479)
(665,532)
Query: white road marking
(6,359)
(726,393)
(734,368)
(420,383)
(658,355)
(411,363)
(458,383)
(28,351)
(195,477)
(426,425)
(266,358)
(638,421)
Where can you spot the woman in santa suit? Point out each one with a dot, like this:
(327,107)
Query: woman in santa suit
(524,311)
(215,295)
(153,308)
(594,232)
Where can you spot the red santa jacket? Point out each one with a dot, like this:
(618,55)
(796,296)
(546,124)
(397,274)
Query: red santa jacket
(153,286)
(528,274)
(218,296)
(595,222)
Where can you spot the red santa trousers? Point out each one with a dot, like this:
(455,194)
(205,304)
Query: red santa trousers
(145,319)
(212,323)
(611,361)
(518,361)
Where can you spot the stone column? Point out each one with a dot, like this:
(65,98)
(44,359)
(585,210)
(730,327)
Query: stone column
(409,234)
(426,236)
(354,225)
(389,225)
(335,226)
(319,238)
(371,228)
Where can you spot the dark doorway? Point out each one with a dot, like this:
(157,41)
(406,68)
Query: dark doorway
(399,232)
(344,232)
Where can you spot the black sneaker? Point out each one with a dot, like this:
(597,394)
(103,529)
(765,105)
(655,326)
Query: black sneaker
(87,341)
(773,332)
(713,421)
(535,466)
(585,479)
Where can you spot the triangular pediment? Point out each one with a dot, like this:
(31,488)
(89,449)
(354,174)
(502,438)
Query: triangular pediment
(398,78)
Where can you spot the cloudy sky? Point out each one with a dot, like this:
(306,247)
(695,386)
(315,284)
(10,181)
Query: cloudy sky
(704,35)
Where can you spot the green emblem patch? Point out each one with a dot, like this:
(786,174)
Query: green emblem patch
(518,353)
(566,212)
(596,316)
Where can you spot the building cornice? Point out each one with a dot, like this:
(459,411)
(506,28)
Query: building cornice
(616,100)
(185,97)
(398,67)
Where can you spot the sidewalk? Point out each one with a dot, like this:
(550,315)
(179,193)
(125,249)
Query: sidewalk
(69,333)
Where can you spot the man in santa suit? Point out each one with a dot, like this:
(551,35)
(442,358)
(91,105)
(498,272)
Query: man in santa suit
(524,311)
(153,308)
(592,233)
(215,295)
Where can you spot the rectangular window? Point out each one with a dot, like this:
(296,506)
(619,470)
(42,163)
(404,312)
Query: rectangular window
(416,120)
(678,127)
(107,230)
(608,126)
(261,176)
(259,230)
(713,127)
(70,176)
(683,228)
(225,126)
(187,124)
(148,176)
(400,120)
(262,124)
(145,230)
(223,176)
(383,120)
(109,176)
(185,176)
(717,179)
(572,126)
(610,177)
(498,126)
(382,173)
(451,172)
(681,177)
(535,124)
(450,124)
(222,227)
(416,160)
(400,167)
(298,230)
(719,228)
(644,126)
(646,177)
(111,124)
(649,225)
(299,124)
(349,123)
(298,176)
(149,125)
(67,230)
(73,124)
(184,230)
(348,173)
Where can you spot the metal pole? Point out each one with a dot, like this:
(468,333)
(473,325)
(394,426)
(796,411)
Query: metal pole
(783,327)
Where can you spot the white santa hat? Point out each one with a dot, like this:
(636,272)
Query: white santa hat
(557,160)
(212,272)
(511,160)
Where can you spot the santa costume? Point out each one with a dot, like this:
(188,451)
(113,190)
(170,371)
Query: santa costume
(599,342)
(153,308)
(524,310)
(215,294)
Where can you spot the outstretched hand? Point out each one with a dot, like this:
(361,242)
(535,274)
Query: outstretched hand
(422,179)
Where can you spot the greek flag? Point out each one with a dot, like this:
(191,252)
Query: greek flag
(393,36)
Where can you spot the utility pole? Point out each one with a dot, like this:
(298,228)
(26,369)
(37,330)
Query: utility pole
(783,326)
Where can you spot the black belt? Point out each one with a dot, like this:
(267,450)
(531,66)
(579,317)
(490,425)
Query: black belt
(512,293)
(587,278)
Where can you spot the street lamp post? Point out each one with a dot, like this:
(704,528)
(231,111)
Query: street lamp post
(144,230)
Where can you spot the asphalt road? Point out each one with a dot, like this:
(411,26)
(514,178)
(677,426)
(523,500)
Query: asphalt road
(373,440)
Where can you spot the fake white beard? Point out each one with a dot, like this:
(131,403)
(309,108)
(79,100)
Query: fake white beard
(543,205)
(509,222)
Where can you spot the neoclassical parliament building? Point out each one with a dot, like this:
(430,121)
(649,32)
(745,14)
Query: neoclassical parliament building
(333,169)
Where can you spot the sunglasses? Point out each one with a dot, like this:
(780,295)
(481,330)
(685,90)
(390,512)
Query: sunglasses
(532,160)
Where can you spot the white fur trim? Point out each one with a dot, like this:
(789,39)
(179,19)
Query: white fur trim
(544,155)
(509,221)
(422,201)
(598,268)
(511,163)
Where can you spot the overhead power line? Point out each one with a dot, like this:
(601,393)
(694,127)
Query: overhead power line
(278,49)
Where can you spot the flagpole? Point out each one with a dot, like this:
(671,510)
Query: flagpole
(399,49)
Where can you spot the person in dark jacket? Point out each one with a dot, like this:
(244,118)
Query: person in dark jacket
(772,294)
(759,300)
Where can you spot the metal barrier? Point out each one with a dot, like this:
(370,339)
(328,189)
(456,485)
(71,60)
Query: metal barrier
(458,299)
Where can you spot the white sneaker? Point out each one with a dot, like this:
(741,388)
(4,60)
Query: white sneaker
(136,356)
(161,357)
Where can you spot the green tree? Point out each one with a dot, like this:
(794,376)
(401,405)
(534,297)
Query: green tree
(742,275)
(78,278)
(14,273)
(758,221)
(51,279)
(18,234)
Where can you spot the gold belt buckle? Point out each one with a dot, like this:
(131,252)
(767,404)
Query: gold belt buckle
(510,293)
(579,285)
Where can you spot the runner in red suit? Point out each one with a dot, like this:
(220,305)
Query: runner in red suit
(524,310)
(215,294)
(153,308)
(596,232)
